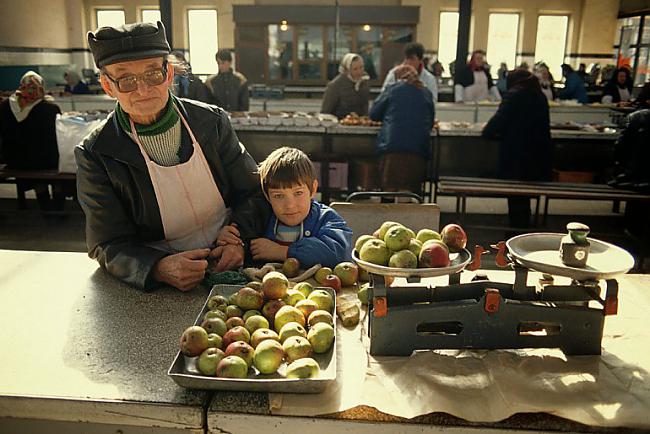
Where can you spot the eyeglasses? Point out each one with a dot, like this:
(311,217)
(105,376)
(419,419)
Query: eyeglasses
(129,83)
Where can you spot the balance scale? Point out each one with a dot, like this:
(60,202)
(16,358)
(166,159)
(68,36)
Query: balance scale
(485,314)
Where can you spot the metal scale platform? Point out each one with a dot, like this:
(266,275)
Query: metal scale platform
(484,314)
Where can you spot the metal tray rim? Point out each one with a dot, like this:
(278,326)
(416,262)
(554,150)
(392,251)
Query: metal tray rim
(566,271)
(463,256)
(298,385)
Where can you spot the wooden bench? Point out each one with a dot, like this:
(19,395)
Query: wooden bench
(462,188)
(10,176)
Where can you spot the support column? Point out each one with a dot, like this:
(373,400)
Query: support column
(464,22)
(166,17)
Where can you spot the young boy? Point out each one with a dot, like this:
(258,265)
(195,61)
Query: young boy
(301,227)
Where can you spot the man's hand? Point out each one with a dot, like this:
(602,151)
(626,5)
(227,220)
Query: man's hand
(229,257)
(263,248)
(229,234)
(183,270)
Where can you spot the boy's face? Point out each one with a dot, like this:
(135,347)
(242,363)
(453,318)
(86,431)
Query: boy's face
(291,205)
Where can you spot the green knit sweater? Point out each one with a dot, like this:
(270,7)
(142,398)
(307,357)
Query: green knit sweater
(161,139)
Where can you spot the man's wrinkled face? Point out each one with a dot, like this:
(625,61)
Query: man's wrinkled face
(291,205)
(146,99)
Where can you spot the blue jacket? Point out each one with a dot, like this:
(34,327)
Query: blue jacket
(326,238)
(574,88)
(407,114)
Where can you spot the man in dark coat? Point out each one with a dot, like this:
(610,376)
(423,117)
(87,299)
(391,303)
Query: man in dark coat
(523,126)
(229,88)
(160,178)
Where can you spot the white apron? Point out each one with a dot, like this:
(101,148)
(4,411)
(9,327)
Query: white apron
(192,209)
(479,90)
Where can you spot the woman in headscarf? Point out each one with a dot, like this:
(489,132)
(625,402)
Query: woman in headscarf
(74,85)
(523,126)
(404,142)
(349,91)
(619,87)
(473,82)
(28,135)
(546,80)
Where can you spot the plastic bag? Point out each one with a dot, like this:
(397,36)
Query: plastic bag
(70,130)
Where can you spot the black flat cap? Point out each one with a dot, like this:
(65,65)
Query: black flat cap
(128,42)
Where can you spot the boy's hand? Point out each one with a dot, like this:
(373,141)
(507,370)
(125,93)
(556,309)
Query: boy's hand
(229,234)
(229,257)
(263,248)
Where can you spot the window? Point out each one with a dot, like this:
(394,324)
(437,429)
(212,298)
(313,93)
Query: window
(310,52)
(307,52)
(447,38)
(502,40)
(202,26)
(634,45)
(550,45)
(280,52)
(369,46)
(344,44)
(150,15)
(110,17)
(400,35)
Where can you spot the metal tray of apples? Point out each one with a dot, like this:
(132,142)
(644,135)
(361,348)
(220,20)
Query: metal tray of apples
(185,373)
(458,262)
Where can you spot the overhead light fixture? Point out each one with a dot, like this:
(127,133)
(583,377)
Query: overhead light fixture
(284,26)
(366,27)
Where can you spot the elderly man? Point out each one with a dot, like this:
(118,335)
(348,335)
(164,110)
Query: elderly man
(159,179)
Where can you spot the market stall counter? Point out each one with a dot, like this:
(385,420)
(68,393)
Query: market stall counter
(463,390)
(83,352)
(86,353)
(458,150)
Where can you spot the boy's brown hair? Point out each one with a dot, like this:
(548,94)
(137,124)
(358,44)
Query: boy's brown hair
(286,167)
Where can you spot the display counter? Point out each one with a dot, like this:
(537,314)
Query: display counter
(457,150)
(445,111)
(83,352)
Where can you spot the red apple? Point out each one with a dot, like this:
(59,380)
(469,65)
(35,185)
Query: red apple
(454,237)
(332,281)
(434,255)
(270,309)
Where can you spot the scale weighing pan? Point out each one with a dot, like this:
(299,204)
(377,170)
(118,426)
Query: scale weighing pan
(540,252)
(458,262)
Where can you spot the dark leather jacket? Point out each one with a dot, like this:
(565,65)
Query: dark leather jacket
(116,194)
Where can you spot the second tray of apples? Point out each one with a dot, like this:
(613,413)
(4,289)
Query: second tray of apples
(184,370)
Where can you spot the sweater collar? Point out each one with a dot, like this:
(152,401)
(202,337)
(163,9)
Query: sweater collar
(165,123)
